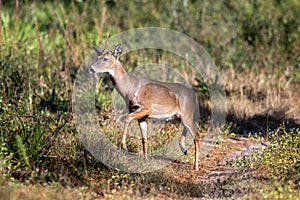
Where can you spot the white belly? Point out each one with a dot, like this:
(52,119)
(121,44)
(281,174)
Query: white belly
(166,117)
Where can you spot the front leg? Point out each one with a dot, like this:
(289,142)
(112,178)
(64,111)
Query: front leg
(143,127)
(123,144)
(137,114)
(123,140)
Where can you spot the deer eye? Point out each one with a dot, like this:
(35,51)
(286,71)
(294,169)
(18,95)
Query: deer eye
(105,59)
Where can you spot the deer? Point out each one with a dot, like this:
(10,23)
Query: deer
(149,99)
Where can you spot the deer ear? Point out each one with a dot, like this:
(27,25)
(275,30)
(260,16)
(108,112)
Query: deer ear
(118,51)
(98,51)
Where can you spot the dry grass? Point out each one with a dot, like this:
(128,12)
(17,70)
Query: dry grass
(263,100)
(15,191)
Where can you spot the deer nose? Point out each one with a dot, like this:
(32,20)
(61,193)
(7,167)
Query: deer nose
(90,70)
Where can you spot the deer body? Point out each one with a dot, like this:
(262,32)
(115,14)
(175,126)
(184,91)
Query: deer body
(147,98)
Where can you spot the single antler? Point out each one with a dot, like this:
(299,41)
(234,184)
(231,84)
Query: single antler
(99,51)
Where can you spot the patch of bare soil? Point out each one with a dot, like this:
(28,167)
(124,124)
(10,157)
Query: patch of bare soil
(216,165)
(216,177)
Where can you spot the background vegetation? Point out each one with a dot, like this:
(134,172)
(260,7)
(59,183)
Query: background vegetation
(255,44)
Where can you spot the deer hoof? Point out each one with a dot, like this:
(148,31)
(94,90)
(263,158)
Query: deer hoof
(185,152)
(124,148)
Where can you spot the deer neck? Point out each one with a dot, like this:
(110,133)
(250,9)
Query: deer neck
(124,83)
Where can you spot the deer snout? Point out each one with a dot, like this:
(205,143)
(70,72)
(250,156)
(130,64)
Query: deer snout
(91,70)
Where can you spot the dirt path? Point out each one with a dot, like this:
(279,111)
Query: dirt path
(216,165)
(216,177)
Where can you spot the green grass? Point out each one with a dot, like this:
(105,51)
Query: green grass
(43,44)
(277,166)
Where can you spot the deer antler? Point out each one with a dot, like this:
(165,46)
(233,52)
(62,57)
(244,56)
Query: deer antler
(99,51)
(106,43)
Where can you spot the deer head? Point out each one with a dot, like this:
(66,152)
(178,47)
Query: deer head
(105,60)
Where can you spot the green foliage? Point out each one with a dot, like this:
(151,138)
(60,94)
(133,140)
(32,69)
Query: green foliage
(289,190)
(230,129)
(22,150)
(5,160)
(235,33)
(103,97)
(281,160)
(282,156)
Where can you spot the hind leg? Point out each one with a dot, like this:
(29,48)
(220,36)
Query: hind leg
(189,125)
(182,141)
